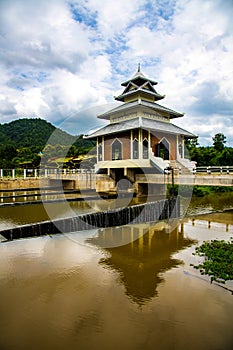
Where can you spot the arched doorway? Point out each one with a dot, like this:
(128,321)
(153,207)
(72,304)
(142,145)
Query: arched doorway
(163,149)
(116,150)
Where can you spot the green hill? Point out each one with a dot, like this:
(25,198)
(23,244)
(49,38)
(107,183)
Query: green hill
(32,132)
(24,141)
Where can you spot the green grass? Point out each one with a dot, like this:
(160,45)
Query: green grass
(198,191)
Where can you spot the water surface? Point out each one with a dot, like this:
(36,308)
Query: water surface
(68,292)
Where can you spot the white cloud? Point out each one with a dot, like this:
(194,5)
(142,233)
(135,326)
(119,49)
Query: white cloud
(31,103)
(59,57)
(41,35)
(68,93)
(194,59)
(112,16)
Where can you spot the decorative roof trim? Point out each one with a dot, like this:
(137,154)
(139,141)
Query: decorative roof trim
(139,75)
(130,105)
(140,89)
(143,123)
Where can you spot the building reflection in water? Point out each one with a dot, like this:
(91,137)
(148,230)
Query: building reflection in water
(141,262)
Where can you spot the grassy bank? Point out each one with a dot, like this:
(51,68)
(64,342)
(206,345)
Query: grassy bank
(198,191)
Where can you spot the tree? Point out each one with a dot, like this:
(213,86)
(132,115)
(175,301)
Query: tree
(191,143)
(7,153)
(218,141)
(190,147)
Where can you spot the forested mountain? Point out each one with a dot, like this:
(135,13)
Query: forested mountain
(32,132)
(24,141)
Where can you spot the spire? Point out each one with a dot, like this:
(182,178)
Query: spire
(139,67)
(139,73)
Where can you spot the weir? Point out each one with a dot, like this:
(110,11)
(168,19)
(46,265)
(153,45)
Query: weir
(141,213)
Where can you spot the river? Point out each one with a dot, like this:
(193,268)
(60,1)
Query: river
(80,291)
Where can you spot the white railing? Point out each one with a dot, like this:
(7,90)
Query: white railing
(13,174)
(188,164)
(158,162)
(222,170)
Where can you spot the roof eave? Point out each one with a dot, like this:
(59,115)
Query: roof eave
(173,114)
(105,131)
(178,115)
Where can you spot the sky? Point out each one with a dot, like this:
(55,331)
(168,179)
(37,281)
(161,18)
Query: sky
(65,60)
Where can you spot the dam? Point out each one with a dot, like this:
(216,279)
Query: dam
(141,213)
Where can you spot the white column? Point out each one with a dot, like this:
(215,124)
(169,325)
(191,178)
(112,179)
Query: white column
(102,147)
(1,172)
(149,145)
(131,144)
(177,147)
(140,143)
(182,146)
(97,148)
(24,173)
(13,174)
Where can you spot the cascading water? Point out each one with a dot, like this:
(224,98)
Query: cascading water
(141,213)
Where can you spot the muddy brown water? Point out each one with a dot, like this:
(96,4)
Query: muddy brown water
(77,291)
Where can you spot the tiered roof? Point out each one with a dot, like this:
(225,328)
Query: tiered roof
(139,85)
(140,110)
(145,124)
(151,105)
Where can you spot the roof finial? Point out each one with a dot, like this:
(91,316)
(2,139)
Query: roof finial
(139,67)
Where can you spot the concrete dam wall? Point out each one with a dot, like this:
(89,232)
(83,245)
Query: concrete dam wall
(141,213)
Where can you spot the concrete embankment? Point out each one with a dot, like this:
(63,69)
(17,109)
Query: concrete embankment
(24,184)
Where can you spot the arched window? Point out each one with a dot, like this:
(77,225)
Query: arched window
(145,149)
(163,149)
(135,148)
(100,152)
(116,150)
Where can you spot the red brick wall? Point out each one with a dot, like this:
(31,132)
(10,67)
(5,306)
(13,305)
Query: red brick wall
(156,137)
(124,138)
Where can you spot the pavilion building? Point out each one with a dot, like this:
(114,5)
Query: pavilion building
(140,137)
